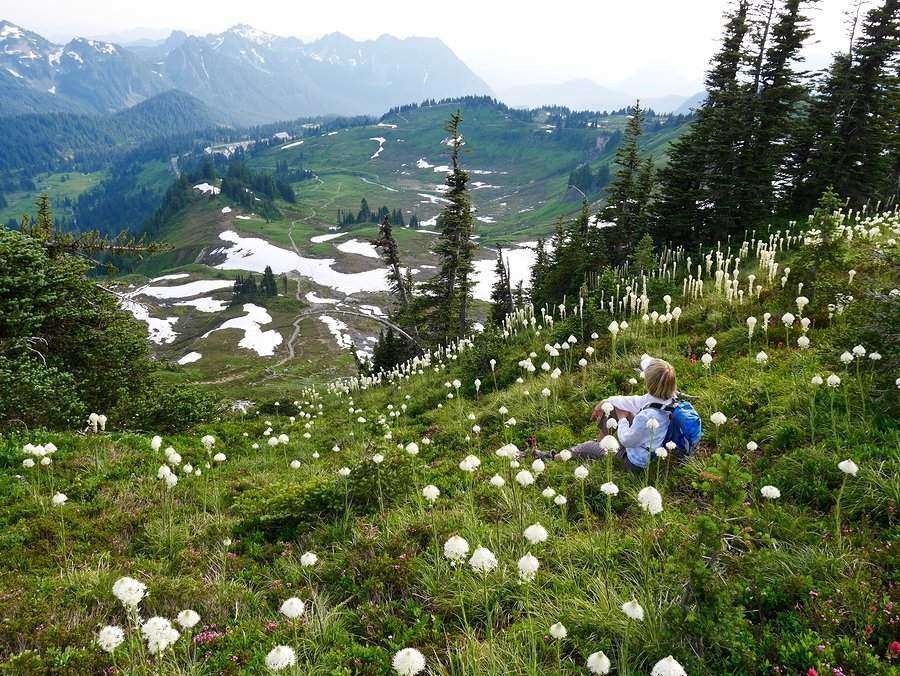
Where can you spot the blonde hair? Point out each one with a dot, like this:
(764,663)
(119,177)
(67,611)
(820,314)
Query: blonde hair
(660,378)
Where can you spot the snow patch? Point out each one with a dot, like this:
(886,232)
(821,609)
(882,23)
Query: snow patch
(198,288)
(381,141)
(206,304)
(261,342)
(291,145)
(159,331)
(358,247)
(337,329)
(312,297)
(206,188)
(226,210)
(190,358)
(318,239)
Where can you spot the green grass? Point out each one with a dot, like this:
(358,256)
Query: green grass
(730,583)
(63,186)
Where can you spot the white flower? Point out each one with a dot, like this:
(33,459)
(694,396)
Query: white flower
(344,472)
(859,351)
(483,560)
(110,637)
(129,591)
(431,493)
(538,466)
(545,392)
(652,424)
(668,666)
(706,359)
(711,343)
(46,460)
(219,457)
(535,533)
(752,446)
(28,463)
(378,458)
(650,500)
(609,444)
(559,631)
(295,464)
(524,478)
(565,455)
(633,610)
(408,662)
(59,499)
(159,633)
(816,380)
(718,418)
(503,410)
(613,327)
(498,481)
(598,663)
(582,362)
(208,441)
(560,500)
(609,488)
(528,566)
(470,463)
(803,342)
(661,453)
(846,357)
(412,448)
(171,480)
(833,380)
(581,472)
(308,559)
(509,451)
(875,356)
(187,618)
(788,319)
(281,657)
(770,492)
(155,444)
(761,357)
(293,608)
(455,549)
(848,467)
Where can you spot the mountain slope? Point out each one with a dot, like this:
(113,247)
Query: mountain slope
(253,77)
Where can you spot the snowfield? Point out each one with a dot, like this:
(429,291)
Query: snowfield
(261,342)
(206,304)
(254,254)
(381,140)
(519,260)
(315,299)
(207,189)
(198,288)
(190,358)
(318,239)
(358,247)
(159,331)
(337,329)
(291,145)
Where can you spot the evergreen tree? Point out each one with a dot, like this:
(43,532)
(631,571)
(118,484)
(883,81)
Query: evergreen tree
(854,129)
(501,293)
(390,254)
(449,291)
(268,286)
(643,255)
(698,186)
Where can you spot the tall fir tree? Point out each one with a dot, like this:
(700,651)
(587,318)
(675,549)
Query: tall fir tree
(854,125)
(390,254)
(501,293)
(449,291)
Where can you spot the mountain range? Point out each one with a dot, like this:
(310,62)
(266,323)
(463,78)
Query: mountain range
(251,76)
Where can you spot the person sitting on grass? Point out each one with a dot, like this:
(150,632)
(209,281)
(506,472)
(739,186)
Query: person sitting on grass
(641,420)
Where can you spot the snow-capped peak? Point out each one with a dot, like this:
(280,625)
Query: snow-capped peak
(10,30)
(251,34)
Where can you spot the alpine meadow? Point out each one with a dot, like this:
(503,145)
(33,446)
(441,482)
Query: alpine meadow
(376,355)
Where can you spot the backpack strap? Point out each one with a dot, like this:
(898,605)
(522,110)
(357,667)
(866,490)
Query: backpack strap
(668,408)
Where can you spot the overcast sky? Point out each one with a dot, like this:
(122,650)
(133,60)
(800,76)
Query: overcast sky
(663,45)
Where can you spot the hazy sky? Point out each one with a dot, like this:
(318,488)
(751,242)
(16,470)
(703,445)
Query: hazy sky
(665,43)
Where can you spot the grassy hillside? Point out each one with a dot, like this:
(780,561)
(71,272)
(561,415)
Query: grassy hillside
(729,581)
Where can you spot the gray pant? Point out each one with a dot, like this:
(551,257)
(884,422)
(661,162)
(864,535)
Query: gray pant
(592,450)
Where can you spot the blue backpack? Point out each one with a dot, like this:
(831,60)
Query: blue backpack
(685,426)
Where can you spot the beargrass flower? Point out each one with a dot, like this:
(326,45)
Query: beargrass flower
(159,634)
(650,500)
(609,443)
(833,381)
(803,342)
(848,467)
(538,466)
(498,481)
(431,493)
(524,478)
(761,357)
(559,631)
(412,448)
(816,380)
(535,534)
(308,559)
(598,663)
(408,662)
(633,610)
(281,657)
(110,637)
(292,608)
(528,566)
(187,619)
(455,549)
(770,492)
(668,666)
(344,472)
(219,457)
(295,464)
(581,472)
(483,560)
(565,455)
(129,591)
(59,499)
(560,500)
(718,418)
(609,488)
(155,444)
(378,458)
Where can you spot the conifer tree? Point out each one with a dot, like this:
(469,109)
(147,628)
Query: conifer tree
(450,289)
(390,254)
(501,293)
